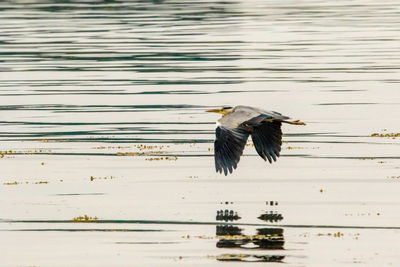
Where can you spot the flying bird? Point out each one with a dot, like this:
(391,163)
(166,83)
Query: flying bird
(234,128)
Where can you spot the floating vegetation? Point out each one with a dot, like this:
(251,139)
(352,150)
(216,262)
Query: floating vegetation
(40,151)
(146,153)
(162,158)
(6,152)
(361,214)
(139,149)
(111,147)
(128,154)
(28,152)
(140,153)
(149,147)
(92,178)
(11,183)
(85,218)
(391,135)
(338,234)
(299,147)
(26,182)
(197,236)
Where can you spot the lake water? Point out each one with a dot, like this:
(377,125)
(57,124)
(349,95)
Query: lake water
(102,115)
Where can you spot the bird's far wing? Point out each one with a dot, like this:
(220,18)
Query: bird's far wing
(267,116)
(228,147)
(260,114)
(267,139)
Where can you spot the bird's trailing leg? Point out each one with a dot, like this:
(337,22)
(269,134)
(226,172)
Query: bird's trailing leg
(296,122)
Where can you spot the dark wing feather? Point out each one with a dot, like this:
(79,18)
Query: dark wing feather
(267,139)
(228,147)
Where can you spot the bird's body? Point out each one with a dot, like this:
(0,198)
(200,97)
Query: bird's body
(234,128)
(242,114)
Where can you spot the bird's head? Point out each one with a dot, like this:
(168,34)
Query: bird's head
(224,111)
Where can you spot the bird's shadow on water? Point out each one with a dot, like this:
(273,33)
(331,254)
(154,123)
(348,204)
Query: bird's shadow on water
(256,247)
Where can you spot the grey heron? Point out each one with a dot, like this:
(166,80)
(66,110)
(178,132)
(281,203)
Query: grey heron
(234,128)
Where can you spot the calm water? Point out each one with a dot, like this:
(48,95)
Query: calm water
(102,114)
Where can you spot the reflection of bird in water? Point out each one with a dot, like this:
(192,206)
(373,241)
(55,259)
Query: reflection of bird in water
(227,215)
(231,236)
(237,124)
(271,217)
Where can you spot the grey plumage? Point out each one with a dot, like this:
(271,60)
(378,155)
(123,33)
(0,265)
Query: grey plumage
(234,128)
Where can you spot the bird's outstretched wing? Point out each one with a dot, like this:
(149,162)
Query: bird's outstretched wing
(228,147)
(267,139)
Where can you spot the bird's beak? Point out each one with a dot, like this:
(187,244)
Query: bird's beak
(214,110)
